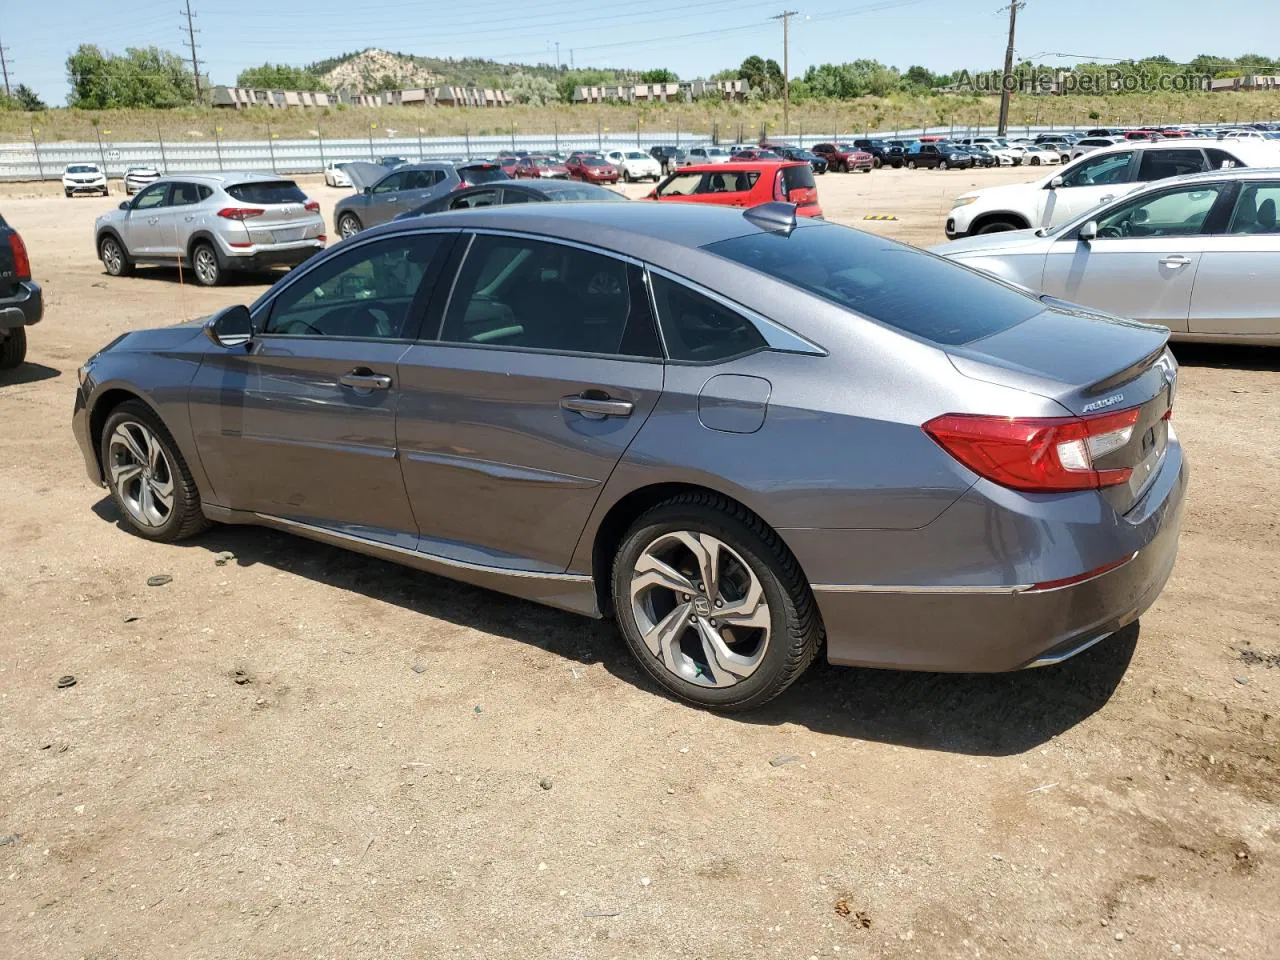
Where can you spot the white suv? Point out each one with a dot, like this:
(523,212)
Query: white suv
(1095,178)
(83,178)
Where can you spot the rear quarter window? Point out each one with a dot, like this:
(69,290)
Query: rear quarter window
(268,191)
(888,282)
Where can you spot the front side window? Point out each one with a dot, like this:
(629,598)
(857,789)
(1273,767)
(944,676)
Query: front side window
(1099,171)
(367,293)
(391,184)
(1162,164)
(1256,209)
(152,197)
(681,185)
(531,294)
(699,329)
(1175,213)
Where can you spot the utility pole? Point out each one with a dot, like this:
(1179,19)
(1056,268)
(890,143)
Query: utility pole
(4,65)
(557,56)
(191,42)
(785,17)
(1007,80)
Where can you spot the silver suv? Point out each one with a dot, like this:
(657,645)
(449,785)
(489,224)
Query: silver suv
(214,223)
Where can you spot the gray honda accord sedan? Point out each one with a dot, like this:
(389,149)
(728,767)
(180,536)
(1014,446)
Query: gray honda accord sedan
(746,438)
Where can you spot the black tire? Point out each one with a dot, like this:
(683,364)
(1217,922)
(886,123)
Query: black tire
(911,164)
(626,177)
(876,162)
(13,348)
(1035,161)
(353,220)
(796,631)
(997,226)
(115,261)
(206,265)
(185,518)
(942,165)
(67,192)
(868,169)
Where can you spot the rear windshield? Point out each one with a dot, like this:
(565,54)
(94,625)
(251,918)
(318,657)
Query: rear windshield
(584,191)
(477,175)
(797,177)
(898,285)
(268,191)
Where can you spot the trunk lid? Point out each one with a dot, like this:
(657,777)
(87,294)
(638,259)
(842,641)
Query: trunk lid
(1091,364)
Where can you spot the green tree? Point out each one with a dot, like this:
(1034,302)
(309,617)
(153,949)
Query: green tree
(534,91)
(142,77)
(279,76)
(22,98)
(918,76)
(753,71)
(660,75)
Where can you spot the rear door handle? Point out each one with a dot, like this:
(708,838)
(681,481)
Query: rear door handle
(1177,260)
(362,378)
(597,408)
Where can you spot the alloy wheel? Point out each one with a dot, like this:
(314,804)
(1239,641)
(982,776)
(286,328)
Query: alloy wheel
(140,474)
(112,257)
(348,227)
(206,266)
(700,609)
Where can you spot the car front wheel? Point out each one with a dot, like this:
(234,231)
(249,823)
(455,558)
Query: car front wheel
(911,164)
(149,481)
(712,603)
(114,258)
(943,165)
(349,225)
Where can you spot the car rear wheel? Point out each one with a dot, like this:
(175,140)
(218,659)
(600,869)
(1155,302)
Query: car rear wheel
(349,225)
(712,603)
(13,348)
(1035,161)
(149,480)
(943,165)
(626,176)
(114,258)
(205,265)
(911,164)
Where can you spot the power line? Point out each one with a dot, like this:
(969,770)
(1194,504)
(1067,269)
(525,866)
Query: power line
(191,42)
(785,17)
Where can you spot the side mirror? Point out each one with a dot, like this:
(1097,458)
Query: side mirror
(230,326)
(1089,231)
(367,190)
(652,194)
(1055,183)
(124,204)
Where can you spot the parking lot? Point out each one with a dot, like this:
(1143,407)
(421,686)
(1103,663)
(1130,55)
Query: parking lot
(290,750)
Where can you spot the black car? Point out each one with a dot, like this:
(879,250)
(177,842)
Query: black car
(818,163)
(21,303)
(476,172)
(938,156)
(980,157)
(883,152)
(508,191)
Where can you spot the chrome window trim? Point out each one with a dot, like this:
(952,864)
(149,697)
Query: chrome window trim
(776,336)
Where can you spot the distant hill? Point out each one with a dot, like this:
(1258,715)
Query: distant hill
(372,70)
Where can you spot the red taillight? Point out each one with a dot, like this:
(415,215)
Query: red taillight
(802,196)
(240,213)
(312,205)
(1038,454)
(322,238)
(21,262)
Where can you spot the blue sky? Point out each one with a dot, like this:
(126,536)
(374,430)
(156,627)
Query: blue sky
(694,37)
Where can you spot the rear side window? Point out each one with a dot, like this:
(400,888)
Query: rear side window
(1257,210)
(895,284)
(733,181)
(700,329)
(268,191)
(1162,164)
(1221,160)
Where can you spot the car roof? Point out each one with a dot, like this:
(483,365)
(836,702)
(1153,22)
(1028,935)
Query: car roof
(1231,173)
(741,165)
(660,233)
(225,179)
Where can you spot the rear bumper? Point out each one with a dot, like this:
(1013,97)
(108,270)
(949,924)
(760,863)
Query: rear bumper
(998,628)
(263,256)
(23,307)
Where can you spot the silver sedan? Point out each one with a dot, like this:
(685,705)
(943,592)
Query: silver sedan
(1199,254)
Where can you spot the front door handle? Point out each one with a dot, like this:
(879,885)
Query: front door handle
(362,378)
(1107,199)
(153,220)
(597,408)
(1177,260)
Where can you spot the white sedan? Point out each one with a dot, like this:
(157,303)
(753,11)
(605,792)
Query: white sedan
(1037,154)
(335,176)
(634,165)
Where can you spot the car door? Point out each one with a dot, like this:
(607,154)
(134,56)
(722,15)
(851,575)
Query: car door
(385,201)
(419,187)
(545,365)
(1142,263)
(173,219)
(1237,288)
(140,231)
(302,424)
(1085,184)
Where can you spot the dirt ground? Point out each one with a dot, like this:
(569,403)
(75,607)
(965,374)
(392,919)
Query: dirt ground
(306,753)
